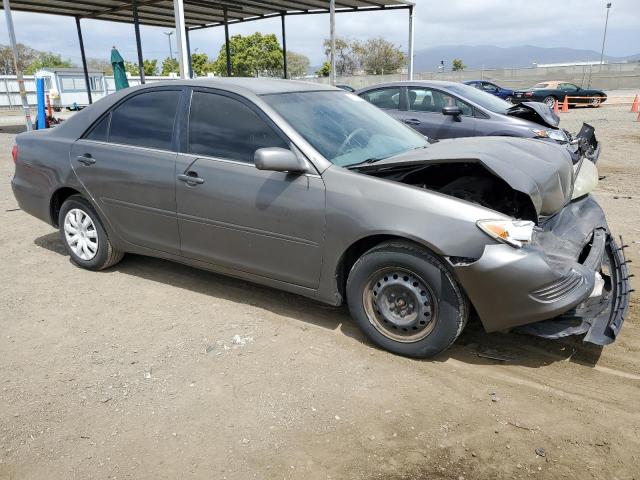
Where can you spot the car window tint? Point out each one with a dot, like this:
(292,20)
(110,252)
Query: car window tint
(222,127)
(489,87)
(100,131)
(145,120)
(388,98)
(427,100)
(541,85)
(568,86)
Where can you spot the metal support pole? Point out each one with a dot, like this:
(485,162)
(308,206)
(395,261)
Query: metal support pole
(84,61)
(332,33)
(14,49)
(411,18)
(284,46)
(136,26)
(183,61)
(227,46)
(189,53)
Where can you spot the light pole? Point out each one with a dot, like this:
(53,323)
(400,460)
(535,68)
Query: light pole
(604,37)
(168,34)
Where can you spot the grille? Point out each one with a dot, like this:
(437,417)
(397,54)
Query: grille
(560,288)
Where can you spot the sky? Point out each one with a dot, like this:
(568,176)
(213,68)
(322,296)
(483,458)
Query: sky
(545,23)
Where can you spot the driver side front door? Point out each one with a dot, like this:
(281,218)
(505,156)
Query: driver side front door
(231,214)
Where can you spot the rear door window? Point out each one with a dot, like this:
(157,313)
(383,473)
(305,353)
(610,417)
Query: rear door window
(222,127)
(146,120)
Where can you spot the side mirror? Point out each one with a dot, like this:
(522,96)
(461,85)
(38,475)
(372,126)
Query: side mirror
(453,111)
(278,159)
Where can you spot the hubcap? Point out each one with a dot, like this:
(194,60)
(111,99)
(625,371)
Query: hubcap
(81,234)
(400,305)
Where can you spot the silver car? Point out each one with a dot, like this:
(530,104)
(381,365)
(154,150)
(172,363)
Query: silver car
(312,190)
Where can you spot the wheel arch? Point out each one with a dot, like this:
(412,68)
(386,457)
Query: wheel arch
(359,247)
(57,199)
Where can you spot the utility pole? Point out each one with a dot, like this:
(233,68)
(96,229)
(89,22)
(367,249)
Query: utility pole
(604,37)
(168,34)
(19,78)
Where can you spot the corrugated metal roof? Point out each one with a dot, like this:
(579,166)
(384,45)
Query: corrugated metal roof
(198,13)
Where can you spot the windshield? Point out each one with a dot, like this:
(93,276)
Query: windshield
(344,128)
(484,99)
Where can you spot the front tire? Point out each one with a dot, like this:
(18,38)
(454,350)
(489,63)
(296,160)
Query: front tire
(406,300)
(84,237)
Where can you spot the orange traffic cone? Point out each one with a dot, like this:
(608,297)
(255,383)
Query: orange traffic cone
(555,107)
(634,105)
(565,104)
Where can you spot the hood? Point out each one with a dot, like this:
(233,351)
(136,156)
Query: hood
(536,112)
(541,170)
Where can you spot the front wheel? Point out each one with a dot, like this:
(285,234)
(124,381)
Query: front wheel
(84,237)
(509,99)
(406,300)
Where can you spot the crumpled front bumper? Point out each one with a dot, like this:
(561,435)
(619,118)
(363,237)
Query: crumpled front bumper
(572,279)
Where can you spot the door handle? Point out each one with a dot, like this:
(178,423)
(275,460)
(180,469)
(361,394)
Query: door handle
(86,159)
(412,121)
(190,178)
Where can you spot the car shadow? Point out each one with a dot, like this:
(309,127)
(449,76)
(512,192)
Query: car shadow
(474,346)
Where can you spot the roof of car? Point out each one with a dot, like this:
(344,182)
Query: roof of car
(424,83)
(257,86)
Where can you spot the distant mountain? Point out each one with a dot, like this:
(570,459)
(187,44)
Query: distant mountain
(490,56)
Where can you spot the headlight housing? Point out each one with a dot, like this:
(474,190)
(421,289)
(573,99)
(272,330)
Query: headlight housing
(586,180)
(513,232)
(557,135)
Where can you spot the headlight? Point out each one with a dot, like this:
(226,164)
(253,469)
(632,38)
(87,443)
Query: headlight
(558,135)
(587,179)
(514,232)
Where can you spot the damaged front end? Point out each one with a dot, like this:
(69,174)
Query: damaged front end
(571,279)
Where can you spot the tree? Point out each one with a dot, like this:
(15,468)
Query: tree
(251,56)
(101,65)
(201,65)
(170,65)
(150,67)
(324,70)
(457,65)
(297,65)
(26,55)
(47,60)
(346,56)
(378,56)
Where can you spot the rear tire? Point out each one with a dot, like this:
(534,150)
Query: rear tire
(549,101)
(406,300)
(84,237)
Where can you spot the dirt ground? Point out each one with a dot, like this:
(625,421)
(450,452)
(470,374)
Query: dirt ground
(156,370)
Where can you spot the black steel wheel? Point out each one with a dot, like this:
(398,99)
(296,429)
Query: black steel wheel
(406,299)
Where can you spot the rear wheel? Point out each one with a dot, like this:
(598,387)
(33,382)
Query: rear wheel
(84,237)
(549,101)
(406,300)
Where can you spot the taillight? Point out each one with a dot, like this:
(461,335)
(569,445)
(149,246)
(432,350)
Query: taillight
(14,153)
(528,94)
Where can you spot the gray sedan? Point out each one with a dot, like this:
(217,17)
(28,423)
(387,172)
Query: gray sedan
(440,110)
(312,190)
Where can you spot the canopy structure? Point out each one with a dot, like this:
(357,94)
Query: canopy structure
(188,15)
